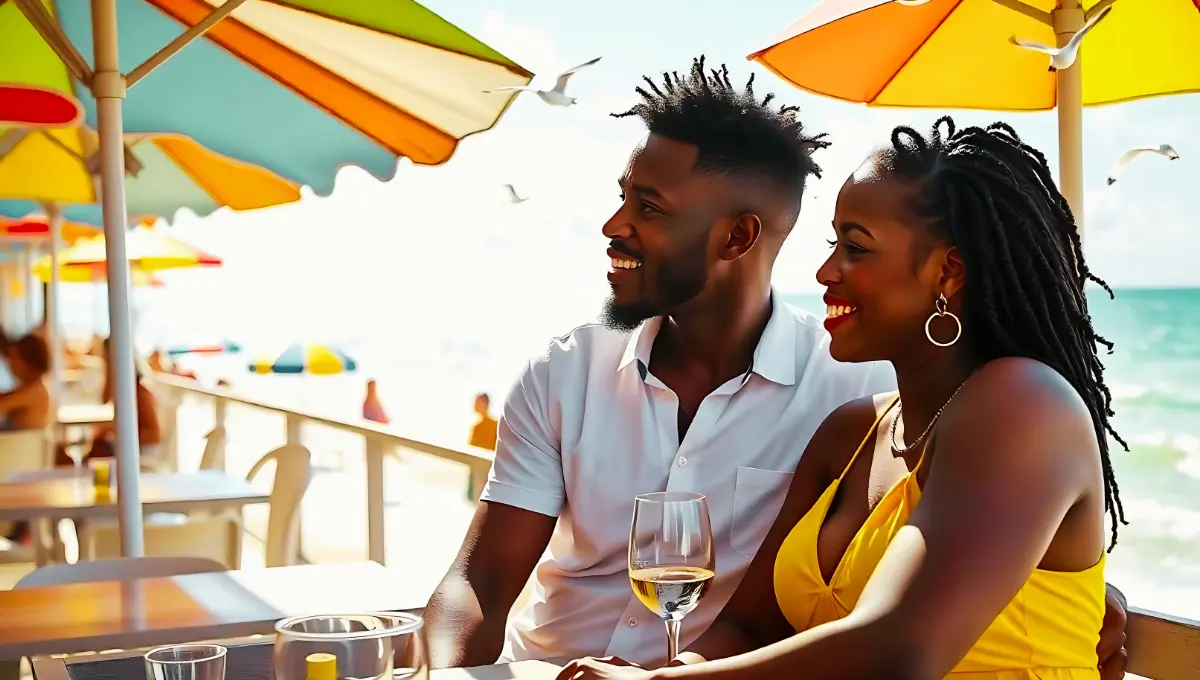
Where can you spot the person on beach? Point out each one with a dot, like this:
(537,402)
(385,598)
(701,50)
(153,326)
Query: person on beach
(372,408)
(483,432)
(701,379)
(27,405)
(149,427)
(957,527)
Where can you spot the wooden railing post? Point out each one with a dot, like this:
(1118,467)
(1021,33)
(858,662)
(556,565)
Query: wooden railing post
(294,424)
(169,408)
(220,407)
(376,537)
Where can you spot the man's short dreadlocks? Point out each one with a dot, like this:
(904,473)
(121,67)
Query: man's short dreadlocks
(735,132)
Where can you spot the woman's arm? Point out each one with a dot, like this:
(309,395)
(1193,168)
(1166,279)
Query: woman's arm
(752,619)
(1014,455)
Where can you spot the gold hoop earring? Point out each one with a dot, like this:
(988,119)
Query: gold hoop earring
(940,310)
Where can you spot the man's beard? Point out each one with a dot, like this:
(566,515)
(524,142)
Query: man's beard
(677,284)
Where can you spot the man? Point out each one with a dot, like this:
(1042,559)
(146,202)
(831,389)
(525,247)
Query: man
(700,379)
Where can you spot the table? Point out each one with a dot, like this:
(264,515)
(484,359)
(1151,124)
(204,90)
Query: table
(74,497)
(85,414)
(148,612)
(56,669)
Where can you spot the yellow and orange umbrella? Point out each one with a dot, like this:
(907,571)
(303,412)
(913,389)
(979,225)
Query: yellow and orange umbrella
(958,54)
(148,249)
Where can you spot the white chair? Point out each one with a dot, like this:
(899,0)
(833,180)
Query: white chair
(219,536)
(122,569)
(24,451)
(213,457)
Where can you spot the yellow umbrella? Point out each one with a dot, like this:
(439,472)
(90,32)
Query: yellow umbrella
(80,274)
(148,250)
(958,54)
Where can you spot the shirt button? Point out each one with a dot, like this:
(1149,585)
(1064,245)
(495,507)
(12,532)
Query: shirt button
(632,622)
(682,461)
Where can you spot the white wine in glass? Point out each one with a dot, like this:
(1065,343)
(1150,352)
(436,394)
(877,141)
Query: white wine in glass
(671,562)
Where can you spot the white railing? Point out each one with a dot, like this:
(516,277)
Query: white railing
(378,441)
(1160,646)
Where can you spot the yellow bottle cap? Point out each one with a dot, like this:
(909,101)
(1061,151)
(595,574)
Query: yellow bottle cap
(321,666)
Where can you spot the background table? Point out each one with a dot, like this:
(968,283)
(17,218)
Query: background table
(85,414)
(74,497)
(149,612)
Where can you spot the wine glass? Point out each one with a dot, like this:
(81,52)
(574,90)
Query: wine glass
(671,562)
(373,646)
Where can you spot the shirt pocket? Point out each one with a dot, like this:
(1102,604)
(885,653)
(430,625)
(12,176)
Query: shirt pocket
(757,496)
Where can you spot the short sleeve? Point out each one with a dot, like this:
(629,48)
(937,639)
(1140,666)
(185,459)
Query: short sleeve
(527,471)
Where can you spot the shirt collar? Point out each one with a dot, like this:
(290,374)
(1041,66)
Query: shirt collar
(774,357)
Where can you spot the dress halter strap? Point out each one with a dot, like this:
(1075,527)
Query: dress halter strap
(870,434)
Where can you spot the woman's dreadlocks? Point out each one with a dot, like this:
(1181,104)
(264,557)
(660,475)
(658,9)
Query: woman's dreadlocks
(993,196)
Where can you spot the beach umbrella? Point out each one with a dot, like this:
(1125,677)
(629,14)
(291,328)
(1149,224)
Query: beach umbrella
(223,347)
(148,249)
(311,358)
(957,54)
(166,172)
(300,87)
(35,230)
(96,275)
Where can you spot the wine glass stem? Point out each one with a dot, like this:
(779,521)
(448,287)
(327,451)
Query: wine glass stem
(672,639)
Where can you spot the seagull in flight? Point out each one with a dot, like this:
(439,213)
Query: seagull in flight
(1062,58)
(554,97)
(1126,158)
(513,196)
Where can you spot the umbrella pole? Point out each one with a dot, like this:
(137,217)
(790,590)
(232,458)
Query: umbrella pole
(1069,18)
(108,88)
(27,281)
(53,311)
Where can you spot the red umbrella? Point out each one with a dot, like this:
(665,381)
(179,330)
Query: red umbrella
(30,106)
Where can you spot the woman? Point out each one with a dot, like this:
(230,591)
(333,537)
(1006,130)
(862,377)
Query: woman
(27,406)
(149,429)
(957,527)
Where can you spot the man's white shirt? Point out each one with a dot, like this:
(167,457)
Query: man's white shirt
(587,427)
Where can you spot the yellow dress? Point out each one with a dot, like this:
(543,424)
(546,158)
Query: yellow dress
(1049,630)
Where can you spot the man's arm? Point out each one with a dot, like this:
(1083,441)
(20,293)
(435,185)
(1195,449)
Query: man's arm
(465,619)
(513,522)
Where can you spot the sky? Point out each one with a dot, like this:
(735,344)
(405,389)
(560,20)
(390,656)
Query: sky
(449,228)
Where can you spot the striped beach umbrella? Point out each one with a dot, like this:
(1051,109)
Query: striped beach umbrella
(300,87)
(166,172)
(313,358)
(223,347)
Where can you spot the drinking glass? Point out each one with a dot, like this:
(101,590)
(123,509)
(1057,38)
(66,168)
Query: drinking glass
(671,562)
(372,646)
(186,662)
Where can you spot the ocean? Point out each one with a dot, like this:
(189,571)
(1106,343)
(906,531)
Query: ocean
(429,371)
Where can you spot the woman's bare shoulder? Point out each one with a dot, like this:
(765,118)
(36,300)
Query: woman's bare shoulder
(844,429)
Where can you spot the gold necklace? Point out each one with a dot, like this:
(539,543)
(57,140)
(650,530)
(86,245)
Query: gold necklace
(901,450)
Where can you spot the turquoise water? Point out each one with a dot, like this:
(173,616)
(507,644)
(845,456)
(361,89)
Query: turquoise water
(430,366)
